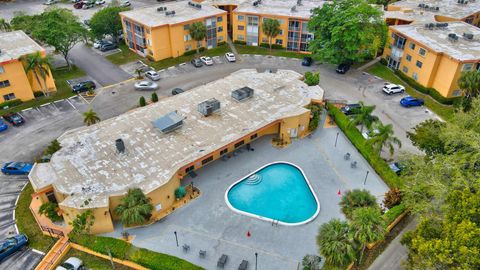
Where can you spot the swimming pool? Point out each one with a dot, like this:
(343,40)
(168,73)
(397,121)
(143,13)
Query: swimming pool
(277,192)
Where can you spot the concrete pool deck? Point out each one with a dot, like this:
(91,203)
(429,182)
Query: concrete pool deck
(208,224)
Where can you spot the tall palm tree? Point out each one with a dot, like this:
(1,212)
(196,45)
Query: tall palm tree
(4,26)
(39,66)
(336,243)
(198,32)
(383,136)
(90,117)
(469,82)
(364,117)
(368,226)
(354,199)
(271,29)
(135,208)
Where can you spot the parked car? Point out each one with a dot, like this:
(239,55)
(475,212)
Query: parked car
(14,119)
(78,5)
(98,43)
(12,244)
(71,263)
(367,134)
(350,109)
(342,68)
(196,62)
(230,57)
(50,2)
(108,46)
(390,88)
(307,61)
(411,102)
(146,85)
(206,60)
(396,167)
(3,126)
(152,75)
(177,91)
(76,1)
(88,5)
(83,86)
(99,2)
(16,168)
(125,3)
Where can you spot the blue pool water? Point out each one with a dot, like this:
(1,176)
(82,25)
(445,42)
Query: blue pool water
(278,191)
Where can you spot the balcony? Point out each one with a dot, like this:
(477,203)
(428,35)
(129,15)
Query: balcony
(396,53)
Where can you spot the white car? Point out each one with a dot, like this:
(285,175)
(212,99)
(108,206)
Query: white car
(99,2)
(390,88)
(125,3)
(71,263)
(230,57)
(206,60)
(367,134)
(152,75)
(50,2)
(146,85)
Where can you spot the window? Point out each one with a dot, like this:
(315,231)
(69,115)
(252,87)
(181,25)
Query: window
(280,21)
(264,40)
(240,37)
(241,18)
(279,41)
(219,19)
(186,27)
(148,42)
(422,51)
(467,67)
(254,136)
(189,169)
(9,96)
(238,144)
(187,37)
(241,27)
(405,69)
(2,70)
(223,152)
(205,161)
(415,76)
(456,93)
(280,33)
(219,29)
(419,64)
(5,83)
(188,47)
(408,57)
(412,46)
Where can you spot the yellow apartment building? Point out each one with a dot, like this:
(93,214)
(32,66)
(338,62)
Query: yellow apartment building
(162,31)
(155,147)
(15,83)
(434,54)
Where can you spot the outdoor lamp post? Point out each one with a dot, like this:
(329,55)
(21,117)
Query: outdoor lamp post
(256,259)
(176,239)
(336,139)
(365,181)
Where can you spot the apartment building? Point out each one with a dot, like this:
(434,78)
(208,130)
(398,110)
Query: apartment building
(434,54)
(162,31)
(15,83)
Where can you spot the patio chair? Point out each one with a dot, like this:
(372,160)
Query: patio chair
(243,265)
(353,164)
(202,253)
(222,261)
(186,248)
(347,156)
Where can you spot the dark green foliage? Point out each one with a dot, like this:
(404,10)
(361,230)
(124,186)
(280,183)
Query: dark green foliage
(83,222)
(191,52)
(154,97)
(38,94)
(142,101)
(106,21)
(354,199)
(154,260)
(311,262)
(315,120)
(180,192)
(10,103)
(239,42)
(383,61)
(221,43)
(392,198)
(274,46)
(50,209)
(426,136)
(53,147)
(393,213)
(336,244)
(135,208)
(312,78)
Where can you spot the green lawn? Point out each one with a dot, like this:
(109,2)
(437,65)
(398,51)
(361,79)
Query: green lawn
(93,262)
(63,89)
(242,49)
(26,222)
(124,56)
(444,111)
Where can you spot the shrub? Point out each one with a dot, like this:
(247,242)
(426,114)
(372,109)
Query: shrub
(142,101)
(201,49)
(154,97)
(274,46)
(38,94)
(354,199)
(180,192)
(383,61)
(316,111)
(311,262)
(101,244)
(312,78)
(50,209)
(10,103)
(191,52)
(221,43)
(392,197)
(393,213)
(53,147)
(239,42)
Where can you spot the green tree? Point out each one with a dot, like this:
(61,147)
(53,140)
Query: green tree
(271,29)
(426,136)
(154,97)
(142,101)
(198,32)
(24,22)
(336,244)
(356,198)
(383,137)
(364,117)
(368,226)
(83,222)
(312,78)
(469,82)
(4,26)
(53,147)
(135,208)
(90,117)
(39,66)
(311,262)
(50,210)
(106,21)
(346,31)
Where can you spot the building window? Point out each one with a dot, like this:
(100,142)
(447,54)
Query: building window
(219,19)
(241,27)
(2,70)
(205,161)
(223,152)
(240,37)
(219,29)
(186,27)
(467,67)
(419,64)
(280,33)
(187,37)
(254,136)
(279,41)
(415,76)
(188,47)
(264,40)
(422,51)
(412,46)
(405,69)
(241,18)
(457,93)
(9,96)
(189,169)
(408,57)
(5,83)
(238,144)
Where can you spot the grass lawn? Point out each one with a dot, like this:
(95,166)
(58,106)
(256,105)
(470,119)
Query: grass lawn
(124,56)
(242,49)
(444,111)
(93,262)
(63,90)
(26,222)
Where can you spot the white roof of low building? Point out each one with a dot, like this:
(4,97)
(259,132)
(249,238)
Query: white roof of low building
(15,44)
(288,8)
(151,17)
(437,39)
(448,8)
(89,167)
(413,16)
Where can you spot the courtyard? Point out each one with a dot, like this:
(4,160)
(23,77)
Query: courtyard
(207,223)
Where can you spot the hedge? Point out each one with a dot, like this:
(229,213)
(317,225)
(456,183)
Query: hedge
(191,52)
(126,251)
(274,46)
(394,212)
(221,43)
(240,42)
(10,103)
(373,158)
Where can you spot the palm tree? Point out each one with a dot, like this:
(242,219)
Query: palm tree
(90,117)
(271,29)
(39,66)
(4,26)
(364,117)
(198,32)
(135,208)
(383,136)
(354,199)
(336,243)
(368,226)
(469,82)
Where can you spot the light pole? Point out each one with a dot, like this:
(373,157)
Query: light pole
(336,139)
(365,181)
(256,259)
(176,239)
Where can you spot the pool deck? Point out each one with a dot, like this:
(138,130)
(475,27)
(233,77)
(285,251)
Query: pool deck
(208,224)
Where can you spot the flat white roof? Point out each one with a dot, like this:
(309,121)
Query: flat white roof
(281,7)
(15,44)
(437,39)
(448,8)
(151,17)
(89,167)
(410,15)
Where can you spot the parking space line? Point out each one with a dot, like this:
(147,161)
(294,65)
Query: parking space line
(68,101)
(183,64)
(46,104)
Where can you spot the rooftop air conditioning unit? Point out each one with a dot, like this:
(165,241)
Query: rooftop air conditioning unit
(162,9)
(208,107)
(453,37)
(120,146)
(468,36)
(293,9)
(198,6)
(242,93)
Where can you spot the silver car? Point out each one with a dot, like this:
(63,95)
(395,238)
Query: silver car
(152,75)
(146,85)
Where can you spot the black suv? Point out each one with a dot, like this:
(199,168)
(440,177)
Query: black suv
(177,91)
(350,109)
(14,118)
(307,61)
(108,46)
(83,86)
(196,62)
(343,68)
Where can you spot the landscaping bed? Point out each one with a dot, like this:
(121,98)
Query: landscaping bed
(93,262)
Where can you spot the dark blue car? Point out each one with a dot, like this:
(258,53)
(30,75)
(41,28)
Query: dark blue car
(16,168)
(3,126)
(12,244)
(411,102)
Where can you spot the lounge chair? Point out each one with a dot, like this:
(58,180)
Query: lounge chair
(186,248)
(243,265)
(202,253)
(222,261)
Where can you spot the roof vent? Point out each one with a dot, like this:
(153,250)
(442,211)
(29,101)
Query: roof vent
(162,9)
(293,9)
(242,93)
(452,37)
(462,2)
(209,106)
(441,25)
(120,146)
(299,2)
(170,13)
(468,36)
(256,3)
(195,5)
(169,122)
